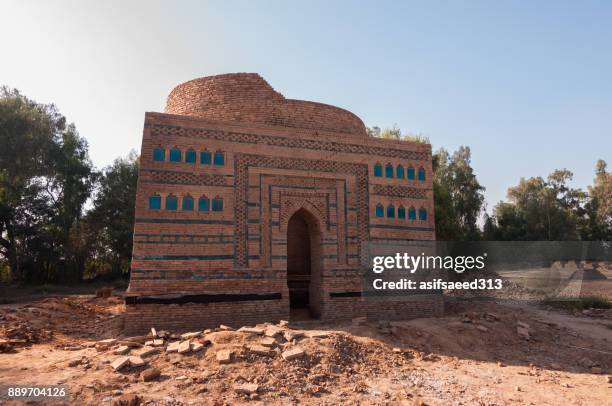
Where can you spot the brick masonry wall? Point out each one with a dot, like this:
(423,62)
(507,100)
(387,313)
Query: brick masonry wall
(140,318)
(247,97)
(323,164)
(179,317)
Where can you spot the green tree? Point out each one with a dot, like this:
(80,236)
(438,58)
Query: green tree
(45,179)
(112,218)
(540,209)
(458,196)
(596,223)
(394,133)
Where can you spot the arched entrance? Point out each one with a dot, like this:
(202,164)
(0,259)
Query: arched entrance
(304,265)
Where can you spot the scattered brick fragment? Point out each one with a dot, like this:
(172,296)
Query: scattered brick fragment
(293,353)
(136,361)
(246,388)
(120,362)
(224,356)
(122,350)
(184,347)
(150,374)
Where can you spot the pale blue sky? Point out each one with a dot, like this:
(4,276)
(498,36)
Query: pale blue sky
(527,85)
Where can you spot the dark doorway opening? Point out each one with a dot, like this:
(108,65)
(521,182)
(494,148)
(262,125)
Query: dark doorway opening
(303,269)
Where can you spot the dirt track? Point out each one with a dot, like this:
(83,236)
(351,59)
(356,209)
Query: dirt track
(472,356)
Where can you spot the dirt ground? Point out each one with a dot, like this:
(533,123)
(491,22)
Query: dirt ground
(480,353)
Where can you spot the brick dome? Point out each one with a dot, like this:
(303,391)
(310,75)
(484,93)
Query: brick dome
(248,98)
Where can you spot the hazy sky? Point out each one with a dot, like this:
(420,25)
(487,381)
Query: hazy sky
(527,85)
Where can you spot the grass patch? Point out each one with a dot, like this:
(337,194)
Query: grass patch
(578,303)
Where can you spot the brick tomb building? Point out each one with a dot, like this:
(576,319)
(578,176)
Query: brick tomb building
(252,207)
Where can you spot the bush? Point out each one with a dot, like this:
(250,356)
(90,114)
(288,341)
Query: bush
(578,303)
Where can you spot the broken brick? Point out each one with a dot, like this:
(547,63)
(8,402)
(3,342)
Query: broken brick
(184,347)
(120,362)
(136,361)
(252,330)
(317,334)
(272,331)
(196,347)
(173,347)
(260,350)
(146,351)
(293,353)
(124,349)
(189,336)
(291,335)
(224,356)
(268,342)
(246,388)
(150,374)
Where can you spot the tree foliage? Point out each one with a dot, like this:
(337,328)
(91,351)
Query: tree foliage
(458,196)
(549,209)
(394,133)
(597,221)
(111,219)
(46,178)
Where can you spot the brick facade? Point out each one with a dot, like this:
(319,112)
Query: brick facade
(223,171)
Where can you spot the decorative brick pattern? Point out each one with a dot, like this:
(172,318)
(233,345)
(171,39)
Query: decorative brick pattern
(244,161)
(184,178)
(280,156)
(159,130)
(400,191)
(314,202)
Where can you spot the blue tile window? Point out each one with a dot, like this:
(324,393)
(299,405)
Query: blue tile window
(410,173)
(391,211)
(380,211)
(155,202)
(203,204)
(205,158)
(422,214)
(188,203)
(171,202)
(421,174)
(389,171)
(219,158)
(411,214)
(378,170)
(400,172)
(190,156)
(401,212)
(175,155)
(159,154)
(217,204)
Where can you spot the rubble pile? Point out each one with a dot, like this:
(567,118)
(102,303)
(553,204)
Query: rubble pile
(310,361)
(18,333)
(65,319)
(359,361)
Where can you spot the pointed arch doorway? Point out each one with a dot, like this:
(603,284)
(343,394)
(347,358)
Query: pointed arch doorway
(304,265)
